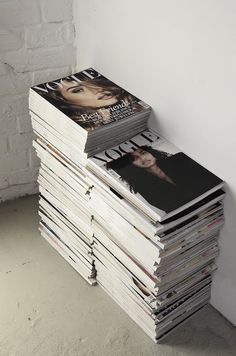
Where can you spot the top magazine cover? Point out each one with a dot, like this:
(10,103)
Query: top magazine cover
(155,172)
(90,99)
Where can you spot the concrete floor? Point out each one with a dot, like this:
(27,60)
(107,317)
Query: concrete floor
(46,308)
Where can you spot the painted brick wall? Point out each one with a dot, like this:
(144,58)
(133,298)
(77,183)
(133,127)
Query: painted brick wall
(36,45)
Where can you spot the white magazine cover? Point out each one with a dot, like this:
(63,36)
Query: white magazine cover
(154,175)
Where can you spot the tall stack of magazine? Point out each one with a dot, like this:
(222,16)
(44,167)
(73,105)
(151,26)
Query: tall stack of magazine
(73,118)
(122,205)
(157,219)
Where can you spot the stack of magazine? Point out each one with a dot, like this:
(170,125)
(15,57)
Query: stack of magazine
(64,210)
(86,113)
(74,117)
(157,218)
(122,205)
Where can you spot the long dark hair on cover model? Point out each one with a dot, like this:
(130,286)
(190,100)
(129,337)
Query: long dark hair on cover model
(135,176)
(76,110)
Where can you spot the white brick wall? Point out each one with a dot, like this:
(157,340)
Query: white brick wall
(36,45)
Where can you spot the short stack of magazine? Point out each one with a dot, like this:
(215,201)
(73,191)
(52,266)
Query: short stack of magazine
(122,205)
(86,113)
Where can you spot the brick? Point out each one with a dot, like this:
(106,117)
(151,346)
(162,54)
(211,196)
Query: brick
(17,13)
(49,35)
(24,123)
(17,60)
(40,58)
(69,33)
(14,161)
(5,106)
(43,76)
(34,161)
(17,191)
(3,68)
(6,85)
(10,40)
(52,57)
(3,146)
(57,10)
(3,181)
(20,104)
(22,83)
(16,83)
(23,176)
(12,105)
(8,125)
(21,141)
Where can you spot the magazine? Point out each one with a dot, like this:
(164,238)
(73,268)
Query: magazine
(89,99)
(64,251)
(190,283)
(140,217)
(154,175)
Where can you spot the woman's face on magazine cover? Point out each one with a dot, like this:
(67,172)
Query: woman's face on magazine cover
(90,95)
(142,159)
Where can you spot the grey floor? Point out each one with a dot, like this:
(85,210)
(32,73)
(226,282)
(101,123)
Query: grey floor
(46,308)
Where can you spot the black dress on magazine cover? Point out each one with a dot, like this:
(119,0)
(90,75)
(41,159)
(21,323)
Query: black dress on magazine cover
(165,181)
(91,103)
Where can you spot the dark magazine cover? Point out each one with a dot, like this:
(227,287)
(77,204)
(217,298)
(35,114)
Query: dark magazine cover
(154,171)
(90,99)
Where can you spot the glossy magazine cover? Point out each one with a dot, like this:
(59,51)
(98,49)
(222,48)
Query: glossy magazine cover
(155,173)
(90,99)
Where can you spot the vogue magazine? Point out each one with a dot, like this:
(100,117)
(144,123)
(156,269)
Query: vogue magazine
(152,173)
(90,99)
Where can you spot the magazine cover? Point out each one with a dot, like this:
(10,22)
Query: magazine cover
(90,99)
(152,172)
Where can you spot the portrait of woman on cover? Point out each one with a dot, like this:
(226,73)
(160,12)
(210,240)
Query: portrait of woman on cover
(92,102)
(166,181)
